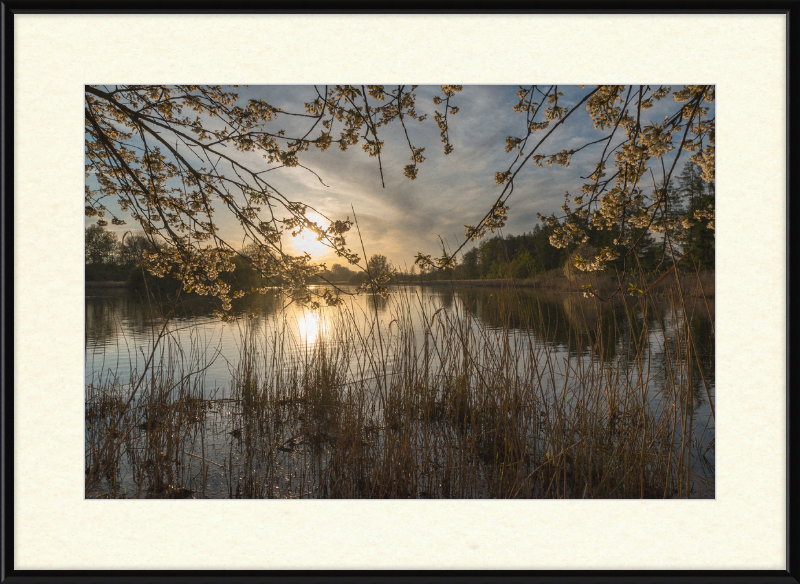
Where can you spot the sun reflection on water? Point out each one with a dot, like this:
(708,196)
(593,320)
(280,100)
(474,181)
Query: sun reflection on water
(312,326)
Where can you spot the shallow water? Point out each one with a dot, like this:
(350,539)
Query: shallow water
(121,329)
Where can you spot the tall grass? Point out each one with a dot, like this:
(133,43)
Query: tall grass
(699,284)
(430,404)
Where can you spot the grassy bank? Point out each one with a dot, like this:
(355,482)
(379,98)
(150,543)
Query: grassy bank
(698,285)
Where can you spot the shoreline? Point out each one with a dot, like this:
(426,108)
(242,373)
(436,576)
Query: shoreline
(550,285)
(105,284)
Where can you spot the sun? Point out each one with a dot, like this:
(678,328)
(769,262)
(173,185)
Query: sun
(307,242)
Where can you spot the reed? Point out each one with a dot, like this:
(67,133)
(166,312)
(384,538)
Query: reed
(429,404)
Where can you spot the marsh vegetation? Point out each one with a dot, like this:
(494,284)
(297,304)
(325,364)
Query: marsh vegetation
(433,392)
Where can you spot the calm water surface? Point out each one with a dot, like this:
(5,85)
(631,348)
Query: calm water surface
(121,329)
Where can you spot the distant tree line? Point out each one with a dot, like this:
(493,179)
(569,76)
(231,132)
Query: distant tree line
(111,258)
(531,254)
(378,265)
(500,257)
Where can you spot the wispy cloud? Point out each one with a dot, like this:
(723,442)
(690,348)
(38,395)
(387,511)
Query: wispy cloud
(407,216)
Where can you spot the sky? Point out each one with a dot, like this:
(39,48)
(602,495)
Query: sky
(406,217)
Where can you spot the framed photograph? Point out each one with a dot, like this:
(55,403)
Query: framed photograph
(478,328)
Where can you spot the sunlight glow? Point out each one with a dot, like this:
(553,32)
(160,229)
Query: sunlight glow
(312,326)
(307,242)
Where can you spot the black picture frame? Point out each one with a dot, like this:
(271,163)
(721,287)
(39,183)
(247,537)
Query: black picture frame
(8,572)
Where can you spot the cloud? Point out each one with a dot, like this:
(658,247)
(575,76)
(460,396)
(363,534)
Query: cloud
(406,217)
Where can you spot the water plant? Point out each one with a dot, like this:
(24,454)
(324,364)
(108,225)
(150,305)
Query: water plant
(599,403)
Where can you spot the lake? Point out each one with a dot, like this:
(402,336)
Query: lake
(472,391)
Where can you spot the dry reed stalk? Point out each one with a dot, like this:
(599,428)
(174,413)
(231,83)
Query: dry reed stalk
(542,404)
